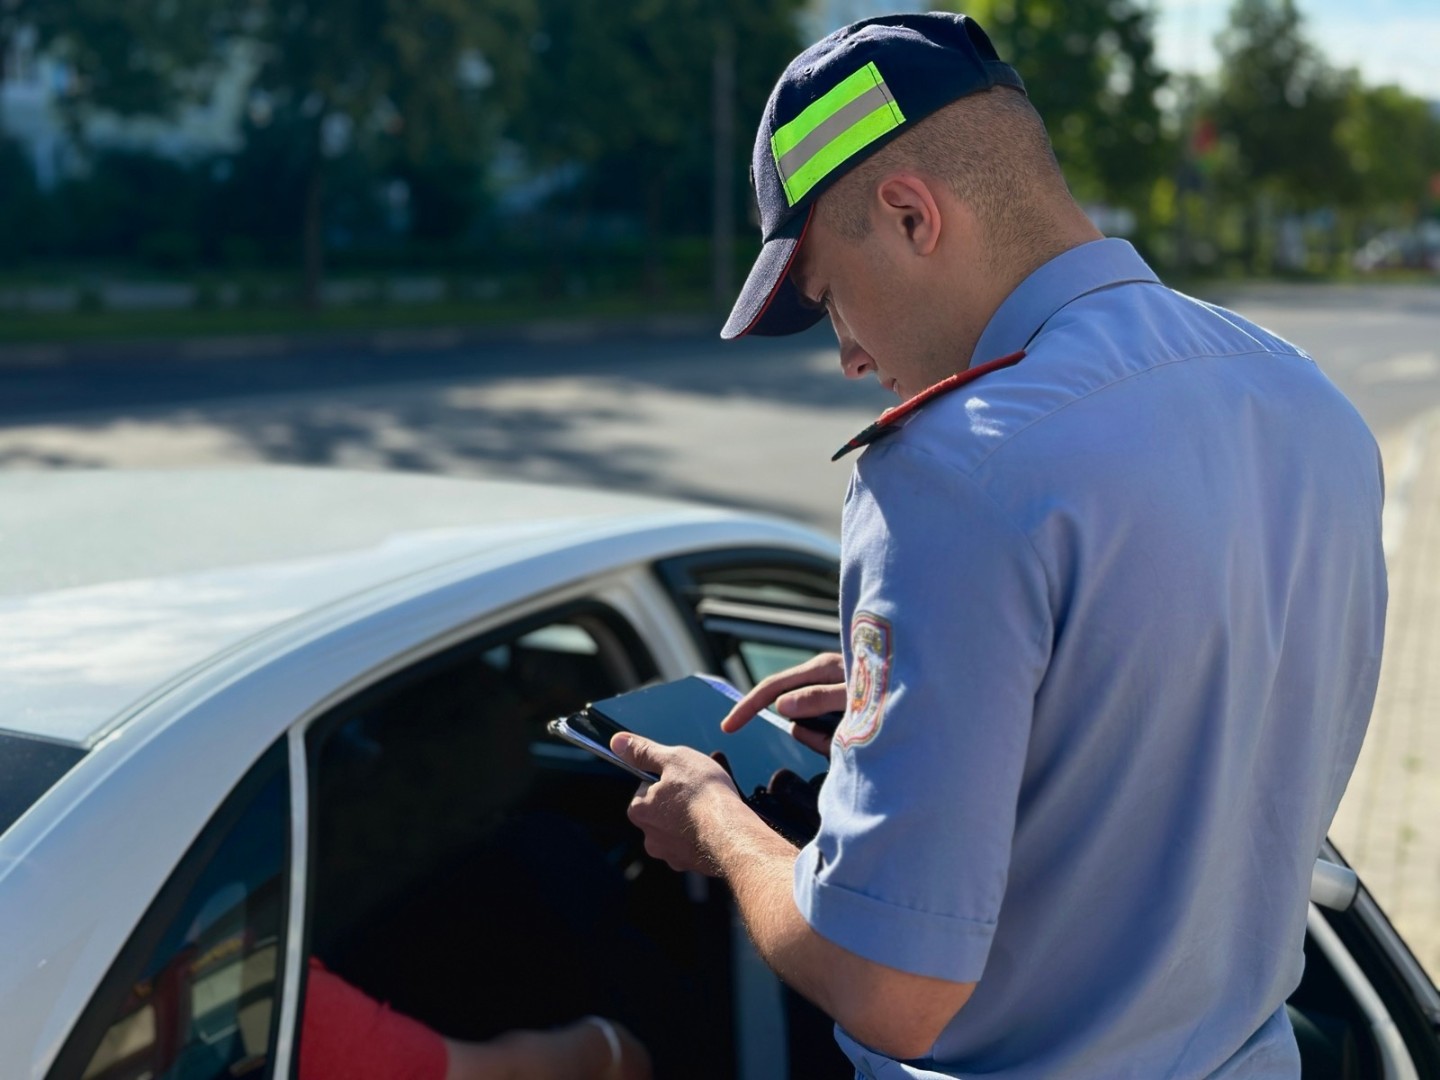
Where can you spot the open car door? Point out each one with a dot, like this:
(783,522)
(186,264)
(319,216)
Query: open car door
(1365,1007)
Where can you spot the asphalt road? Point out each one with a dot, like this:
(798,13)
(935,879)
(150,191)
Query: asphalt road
(748,424)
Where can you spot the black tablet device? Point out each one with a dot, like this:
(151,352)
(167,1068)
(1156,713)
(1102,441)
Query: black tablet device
(687,712)
(592,732)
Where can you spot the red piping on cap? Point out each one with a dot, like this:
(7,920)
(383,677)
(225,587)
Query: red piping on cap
(784,273)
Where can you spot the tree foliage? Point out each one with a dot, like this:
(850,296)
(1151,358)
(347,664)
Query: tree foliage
(1392,139)
(625,91)
(608,116)
(1089,67)
(131,58)
(1281,104)
(397,80)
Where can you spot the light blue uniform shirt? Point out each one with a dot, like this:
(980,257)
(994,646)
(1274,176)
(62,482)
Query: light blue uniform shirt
(1115,617)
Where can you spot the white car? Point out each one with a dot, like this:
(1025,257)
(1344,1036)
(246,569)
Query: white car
(250,718)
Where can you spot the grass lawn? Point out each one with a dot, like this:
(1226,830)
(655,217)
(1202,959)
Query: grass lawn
(33,327)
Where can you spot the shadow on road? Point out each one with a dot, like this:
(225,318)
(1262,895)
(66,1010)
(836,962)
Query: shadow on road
(688,419)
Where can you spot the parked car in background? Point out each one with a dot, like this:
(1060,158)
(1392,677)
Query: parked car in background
(250,717)
(1415,248)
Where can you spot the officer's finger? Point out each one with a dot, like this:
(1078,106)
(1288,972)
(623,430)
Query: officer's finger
(640,751)
(826,668)
(812,701)
(815,740)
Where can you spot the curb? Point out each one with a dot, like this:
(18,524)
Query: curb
(419,339)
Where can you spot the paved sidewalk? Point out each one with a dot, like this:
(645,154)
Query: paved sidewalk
(1388,825)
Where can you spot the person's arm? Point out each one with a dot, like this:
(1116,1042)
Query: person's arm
(581,1051)
(694,819)
(887,917)
(348,1035)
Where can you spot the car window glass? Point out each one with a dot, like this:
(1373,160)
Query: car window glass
(763,659)
(193,996)
(802,586)
(29,767)
(756,614)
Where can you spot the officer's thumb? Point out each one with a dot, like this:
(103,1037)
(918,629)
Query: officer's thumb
(636,750)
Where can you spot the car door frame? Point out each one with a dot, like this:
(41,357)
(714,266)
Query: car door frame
(1398,999)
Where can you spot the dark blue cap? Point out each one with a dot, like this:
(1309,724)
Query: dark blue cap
(837,103)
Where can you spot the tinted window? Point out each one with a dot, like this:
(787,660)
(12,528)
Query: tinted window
(756,613)
(781,580)
(28,769)
(762,659)
(193,994)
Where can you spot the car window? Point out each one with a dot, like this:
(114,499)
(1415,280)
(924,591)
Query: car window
(756,613)
(29,767)
(193,994)
(762,659)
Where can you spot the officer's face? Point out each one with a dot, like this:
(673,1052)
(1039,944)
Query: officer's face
(881,328)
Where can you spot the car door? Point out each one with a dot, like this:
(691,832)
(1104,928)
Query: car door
(423,839)
(1365,1007)
(195,991)
(554,868)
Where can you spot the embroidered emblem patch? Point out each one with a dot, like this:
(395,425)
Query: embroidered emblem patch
(869,679)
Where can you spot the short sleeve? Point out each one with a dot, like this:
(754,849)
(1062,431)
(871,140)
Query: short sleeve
(346,1035)
(949,633)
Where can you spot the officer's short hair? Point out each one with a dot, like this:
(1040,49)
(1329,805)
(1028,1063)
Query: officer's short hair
(990,148)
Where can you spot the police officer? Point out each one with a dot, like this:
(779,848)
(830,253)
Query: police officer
(1113,594)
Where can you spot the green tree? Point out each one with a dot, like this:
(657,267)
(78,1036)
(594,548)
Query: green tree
(1392,139)
(400,80)
(130,58)
(1090,69)
(1280,104)
(625,92)
(23,215)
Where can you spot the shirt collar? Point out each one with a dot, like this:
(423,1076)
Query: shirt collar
(1068,276)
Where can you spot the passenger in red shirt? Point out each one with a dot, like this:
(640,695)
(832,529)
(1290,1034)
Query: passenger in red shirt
(347,1035)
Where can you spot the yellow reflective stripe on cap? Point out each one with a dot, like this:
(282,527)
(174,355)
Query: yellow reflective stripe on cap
(846,119)
(822,108)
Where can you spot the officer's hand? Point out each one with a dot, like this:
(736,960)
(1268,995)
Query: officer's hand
(789,805)
(813,688)
(693,796)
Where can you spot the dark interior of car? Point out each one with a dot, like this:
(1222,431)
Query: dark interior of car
(479,878)
(1335,1042)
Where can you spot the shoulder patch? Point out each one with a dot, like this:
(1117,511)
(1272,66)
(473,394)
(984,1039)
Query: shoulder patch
(870,644)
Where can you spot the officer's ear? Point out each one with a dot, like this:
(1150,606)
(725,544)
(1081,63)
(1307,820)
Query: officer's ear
(909,211)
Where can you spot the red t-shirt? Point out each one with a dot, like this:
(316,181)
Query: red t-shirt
(348,1036)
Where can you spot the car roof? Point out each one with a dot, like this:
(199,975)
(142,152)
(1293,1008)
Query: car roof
(114,583)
